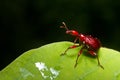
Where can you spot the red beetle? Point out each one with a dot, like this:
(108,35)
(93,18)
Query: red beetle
(86,41)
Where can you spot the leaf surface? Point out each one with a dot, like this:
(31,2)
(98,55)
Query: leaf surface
(45,63)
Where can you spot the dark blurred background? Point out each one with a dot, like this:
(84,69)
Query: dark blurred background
(28,24)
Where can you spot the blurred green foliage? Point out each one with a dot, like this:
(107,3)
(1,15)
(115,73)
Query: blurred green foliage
(27,24)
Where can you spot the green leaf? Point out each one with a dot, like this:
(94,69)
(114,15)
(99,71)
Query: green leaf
(45,63)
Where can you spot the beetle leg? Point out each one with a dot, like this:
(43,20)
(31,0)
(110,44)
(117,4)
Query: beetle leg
(78,57)
(80,52)
(80,42)
(71,47)
(75,40)
(94,54)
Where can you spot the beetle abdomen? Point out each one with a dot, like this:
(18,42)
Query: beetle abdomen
(92,43)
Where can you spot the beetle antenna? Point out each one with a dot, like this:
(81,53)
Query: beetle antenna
(64,26)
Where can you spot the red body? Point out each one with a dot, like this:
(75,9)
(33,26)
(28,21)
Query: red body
(90,42)
(87,41)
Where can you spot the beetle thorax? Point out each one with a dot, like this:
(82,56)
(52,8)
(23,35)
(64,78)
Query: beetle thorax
(82,37)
